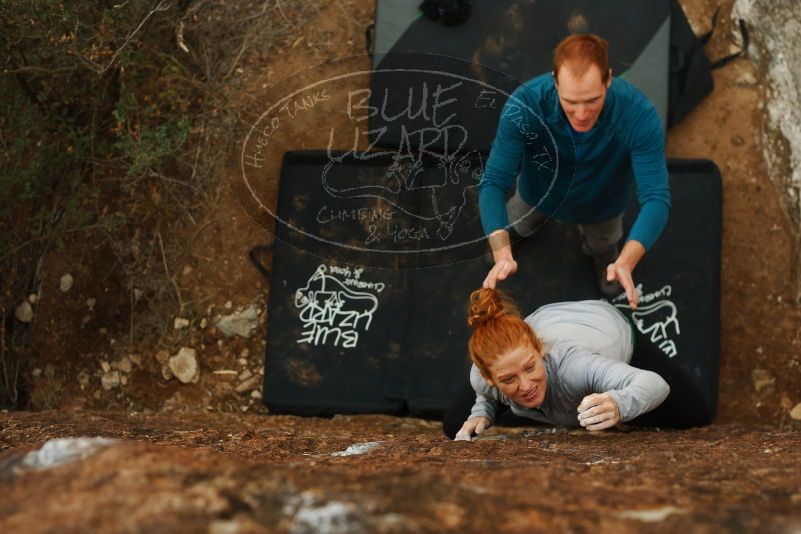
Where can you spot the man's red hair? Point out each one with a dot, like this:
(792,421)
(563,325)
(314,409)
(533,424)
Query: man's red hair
(579,52)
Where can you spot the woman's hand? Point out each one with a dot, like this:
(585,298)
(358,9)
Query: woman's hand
(477,424)
(598,411)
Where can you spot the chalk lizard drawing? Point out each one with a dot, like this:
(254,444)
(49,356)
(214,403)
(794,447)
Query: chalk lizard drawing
(655,319)
(331,311)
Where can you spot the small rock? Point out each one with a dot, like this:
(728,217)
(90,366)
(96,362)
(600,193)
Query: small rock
(96,394)
(105,366)
(256,394)
(110,380)
(242,361)
(37,372)
(251,383)
(228,305)
(186,270)
(124,364)
(162,357)
(90,303)
(24,312)
(85,319)
(240,323)
(795,413)
(83,379)
(184,365)
(244,353)
(203,323)
(123,380)
(166,373)
(746,79)
(180,323)
(137,294)
(136,359)
(65,284)
(736,140)
(32,298)
(762,380)
(244,375)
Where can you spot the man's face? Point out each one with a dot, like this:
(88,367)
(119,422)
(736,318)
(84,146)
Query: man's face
(582,97)
(520,375)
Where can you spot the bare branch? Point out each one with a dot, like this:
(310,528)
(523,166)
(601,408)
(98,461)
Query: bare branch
(101,69)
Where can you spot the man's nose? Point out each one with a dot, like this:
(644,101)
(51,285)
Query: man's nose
(581,113)
(525,383)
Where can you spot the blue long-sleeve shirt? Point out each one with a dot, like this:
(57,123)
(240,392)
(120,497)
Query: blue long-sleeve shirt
(578,178)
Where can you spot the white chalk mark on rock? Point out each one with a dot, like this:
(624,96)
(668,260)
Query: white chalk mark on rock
(60,451)
(358,448)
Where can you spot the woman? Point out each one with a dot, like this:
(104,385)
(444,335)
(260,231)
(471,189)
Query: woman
(565,365)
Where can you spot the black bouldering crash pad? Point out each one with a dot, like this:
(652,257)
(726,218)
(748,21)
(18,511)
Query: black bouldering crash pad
(369,284)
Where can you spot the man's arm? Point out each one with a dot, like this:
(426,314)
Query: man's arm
(651,176)
(505,264)
(499,180)
(650,172)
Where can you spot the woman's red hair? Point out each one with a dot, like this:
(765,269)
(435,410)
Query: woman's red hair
(497,328)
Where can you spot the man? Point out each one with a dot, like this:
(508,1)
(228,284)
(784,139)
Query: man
(603,130)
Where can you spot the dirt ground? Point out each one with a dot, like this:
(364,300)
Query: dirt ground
(190,459)
(246,473)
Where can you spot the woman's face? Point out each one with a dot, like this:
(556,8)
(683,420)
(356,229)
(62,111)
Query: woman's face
(520,375)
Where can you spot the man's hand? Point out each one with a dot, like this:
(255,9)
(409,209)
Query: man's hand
(598,411)
(477,425)
(621,270)
(505,264)
(623,275)
(500,271)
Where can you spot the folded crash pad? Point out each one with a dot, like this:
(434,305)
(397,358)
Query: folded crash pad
(375,258)
(437,86)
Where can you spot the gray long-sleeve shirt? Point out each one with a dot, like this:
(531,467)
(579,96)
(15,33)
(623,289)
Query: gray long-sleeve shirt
(588,346)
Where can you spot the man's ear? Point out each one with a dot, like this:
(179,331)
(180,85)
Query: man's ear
(555,79)
(609,78)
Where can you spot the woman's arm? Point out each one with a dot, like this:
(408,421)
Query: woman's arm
(486,404)
(634,391)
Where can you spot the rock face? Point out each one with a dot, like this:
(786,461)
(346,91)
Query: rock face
(775,29)
(222,473)
(240,323)
(184,365)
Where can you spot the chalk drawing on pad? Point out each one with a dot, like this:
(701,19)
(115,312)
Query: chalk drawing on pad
(336,305)
(655,316)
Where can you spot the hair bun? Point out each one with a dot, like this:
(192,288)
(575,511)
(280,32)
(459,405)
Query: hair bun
(485,305)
